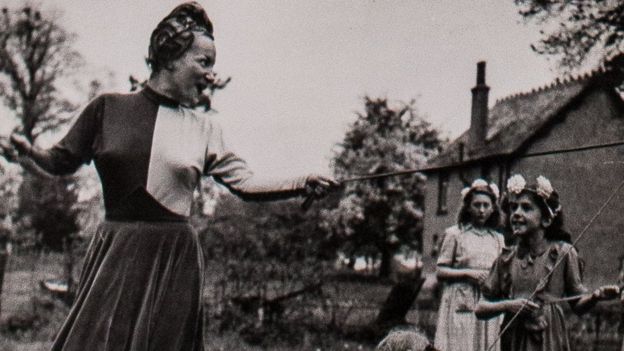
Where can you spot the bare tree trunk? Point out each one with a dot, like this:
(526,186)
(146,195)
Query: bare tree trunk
(386,263)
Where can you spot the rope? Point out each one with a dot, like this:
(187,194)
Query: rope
(310,198)
(591,221)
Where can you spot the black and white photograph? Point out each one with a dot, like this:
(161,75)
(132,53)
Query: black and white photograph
(331,175)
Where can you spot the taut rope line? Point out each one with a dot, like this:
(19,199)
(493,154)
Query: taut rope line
(559,260)
(308,201)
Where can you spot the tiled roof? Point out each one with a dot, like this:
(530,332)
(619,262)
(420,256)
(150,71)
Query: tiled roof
(515,119)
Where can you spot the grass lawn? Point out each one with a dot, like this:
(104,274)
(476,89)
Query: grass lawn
(22,296)
(328,322)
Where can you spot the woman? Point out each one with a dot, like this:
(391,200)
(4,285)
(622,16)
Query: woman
(467,253)
(531,278)
(141,284)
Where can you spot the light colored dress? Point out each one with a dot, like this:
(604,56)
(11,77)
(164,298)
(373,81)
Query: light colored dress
(458,329)
(516,274)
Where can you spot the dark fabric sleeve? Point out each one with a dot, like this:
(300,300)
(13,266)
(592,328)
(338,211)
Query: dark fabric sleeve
(573,275)
(492,288)
(78,146)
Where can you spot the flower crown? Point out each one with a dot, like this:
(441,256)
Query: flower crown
(543,188)
(480,184)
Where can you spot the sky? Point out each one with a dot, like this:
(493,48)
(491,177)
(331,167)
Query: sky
(300,69)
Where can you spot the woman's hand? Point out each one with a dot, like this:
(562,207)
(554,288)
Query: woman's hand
(317,186)
(606,292)
(522,306)
(17,145)
(21,144)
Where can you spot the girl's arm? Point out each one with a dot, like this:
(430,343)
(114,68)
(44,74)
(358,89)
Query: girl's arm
(477,276)
(574,285)
(486,309)
(587,301)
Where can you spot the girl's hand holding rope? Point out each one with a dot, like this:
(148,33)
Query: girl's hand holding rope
(606,292)
(521,306)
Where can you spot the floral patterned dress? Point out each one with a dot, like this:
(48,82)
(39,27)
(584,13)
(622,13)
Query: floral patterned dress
(516,274)
(457,327)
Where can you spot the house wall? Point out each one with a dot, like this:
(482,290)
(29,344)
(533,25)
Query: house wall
(584,180)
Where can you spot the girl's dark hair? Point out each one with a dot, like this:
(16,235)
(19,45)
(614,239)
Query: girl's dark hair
(464,217)
(555,231)
(175,34)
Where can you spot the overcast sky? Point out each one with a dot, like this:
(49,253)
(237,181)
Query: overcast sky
(300,68)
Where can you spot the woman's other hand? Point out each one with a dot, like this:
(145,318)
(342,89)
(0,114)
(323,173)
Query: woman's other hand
(317,186)
(17,145)
(21,144)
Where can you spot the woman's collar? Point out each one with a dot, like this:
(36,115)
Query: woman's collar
(159,98)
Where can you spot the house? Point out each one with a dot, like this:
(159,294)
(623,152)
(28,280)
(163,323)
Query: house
(572,132)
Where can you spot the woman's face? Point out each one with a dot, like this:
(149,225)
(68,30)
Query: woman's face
(192,72)
(525,215)
(481,208)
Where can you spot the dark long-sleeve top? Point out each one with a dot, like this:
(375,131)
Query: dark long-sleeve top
(150,153)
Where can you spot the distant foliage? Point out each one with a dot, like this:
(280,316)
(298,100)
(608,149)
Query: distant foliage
(576,30)
(383,215)
(262,257)
(48,208)
(36,56)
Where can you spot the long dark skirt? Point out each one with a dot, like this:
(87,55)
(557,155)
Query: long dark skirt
(140,290)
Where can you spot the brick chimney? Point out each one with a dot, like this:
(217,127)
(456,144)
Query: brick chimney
(479,113)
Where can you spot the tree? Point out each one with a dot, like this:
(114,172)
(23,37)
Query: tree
(261,257)
(385,214)
(578,29)
(36,57)
(35,52)
(8,193)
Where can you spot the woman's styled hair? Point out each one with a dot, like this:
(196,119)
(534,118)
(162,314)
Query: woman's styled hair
(175,34)
(480,187)
(547,200)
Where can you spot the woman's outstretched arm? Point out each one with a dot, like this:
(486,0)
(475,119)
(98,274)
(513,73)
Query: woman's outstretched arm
(43,160)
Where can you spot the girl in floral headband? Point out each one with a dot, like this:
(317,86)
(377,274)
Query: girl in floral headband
(467,253)
(533,277)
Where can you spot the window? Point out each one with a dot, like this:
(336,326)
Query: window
(443,183)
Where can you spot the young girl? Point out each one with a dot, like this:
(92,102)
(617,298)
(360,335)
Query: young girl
(467,253)
(526,278)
